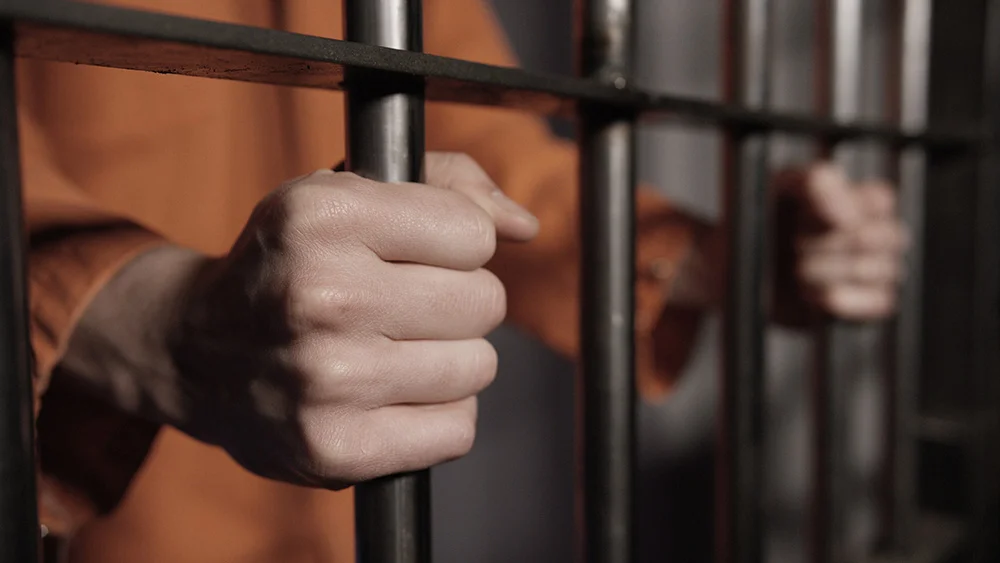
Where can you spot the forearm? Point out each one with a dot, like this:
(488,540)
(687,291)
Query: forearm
(120,349)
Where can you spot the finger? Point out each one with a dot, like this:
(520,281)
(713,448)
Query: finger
(397,222)
(439,371)
(393,439)
(877,199)
(460,173)
(829,197)
(858,302)
(828,269)
(406,372)
(426,225)
(426,303)
(414,437)
(402,302)
(877,236)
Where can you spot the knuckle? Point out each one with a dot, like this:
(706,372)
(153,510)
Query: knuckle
(492,299)
(360,457)
(301,196)
(331,305)
(328,375)
(313,208)
(356,464)
(836,300)
(458,219)
(485,362)
(300,305)
(461,432)
(335,442)
(465,439)
(338,303)
(482,233)
(471,226)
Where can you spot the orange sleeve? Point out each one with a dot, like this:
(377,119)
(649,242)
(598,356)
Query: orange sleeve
(540,172)
(88,452)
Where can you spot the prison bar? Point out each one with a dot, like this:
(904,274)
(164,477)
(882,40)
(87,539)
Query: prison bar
(607,296)
(838,52)
(908,59)
(960,302)
(984,463)
(19,531)
(385,89)
(76,32)
(385,142)
(739,464)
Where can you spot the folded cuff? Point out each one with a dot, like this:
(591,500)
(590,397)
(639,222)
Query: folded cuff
(88,451)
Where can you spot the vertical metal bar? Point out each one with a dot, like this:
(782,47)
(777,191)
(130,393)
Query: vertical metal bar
(838,92)
(985,462)
(740,455)
(961,257)
(19,531)
(910,61)
(607,222)
(385,140)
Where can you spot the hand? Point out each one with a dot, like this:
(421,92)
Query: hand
(341,338)
(843,249)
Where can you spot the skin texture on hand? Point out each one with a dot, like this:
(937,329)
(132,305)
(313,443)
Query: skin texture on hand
(340,339)
(839,247)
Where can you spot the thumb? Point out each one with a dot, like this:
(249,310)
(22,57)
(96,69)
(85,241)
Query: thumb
(829,197)
(460,173)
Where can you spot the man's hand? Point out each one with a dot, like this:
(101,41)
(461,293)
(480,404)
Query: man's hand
(840,248)
(341,338)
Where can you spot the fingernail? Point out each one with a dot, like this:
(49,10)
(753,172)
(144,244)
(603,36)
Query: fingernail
(511,206)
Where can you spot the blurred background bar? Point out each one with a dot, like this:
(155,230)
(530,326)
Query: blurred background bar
(747,67)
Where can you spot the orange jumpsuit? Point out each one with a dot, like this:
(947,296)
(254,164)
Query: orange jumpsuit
(115,162)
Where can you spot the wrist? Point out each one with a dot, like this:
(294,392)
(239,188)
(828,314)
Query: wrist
(121,348)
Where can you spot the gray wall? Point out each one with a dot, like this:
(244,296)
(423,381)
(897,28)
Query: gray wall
(512,498)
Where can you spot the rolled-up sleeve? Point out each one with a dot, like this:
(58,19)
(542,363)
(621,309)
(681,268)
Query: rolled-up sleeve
(87,451)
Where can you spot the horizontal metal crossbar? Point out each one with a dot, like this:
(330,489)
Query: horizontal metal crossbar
(75,32)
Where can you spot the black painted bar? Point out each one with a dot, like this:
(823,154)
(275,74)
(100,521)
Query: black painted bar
(985,512)
(959,387)
(740,454)
(108,36)
(607,331)
(838,45)
(909,62)
(385,140)
(19,530)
